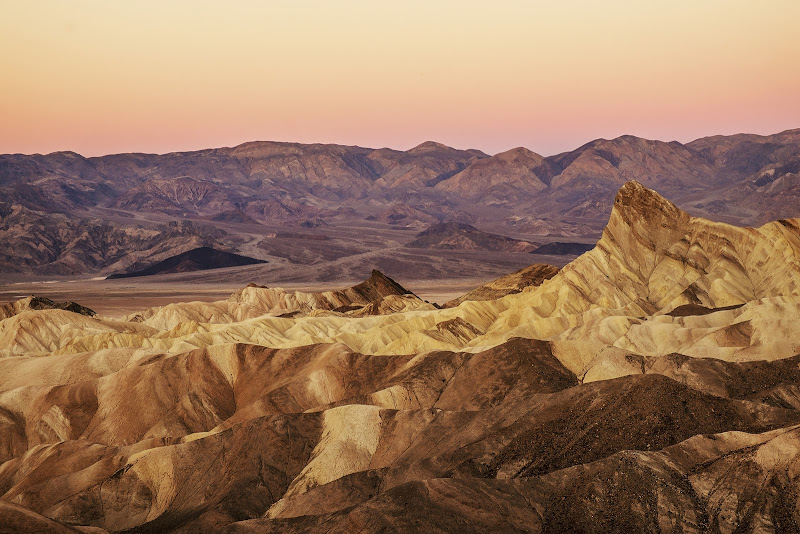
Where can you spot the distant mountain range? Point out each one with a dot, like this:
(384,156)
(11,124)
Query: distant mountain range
(104,208)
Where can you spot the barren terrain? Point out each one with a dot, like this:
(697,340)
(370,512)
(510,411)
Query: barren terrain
(650,384)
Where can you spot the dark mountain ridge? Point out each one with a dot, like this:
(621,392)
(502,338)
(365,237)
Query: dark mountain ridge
(198,259)
(462,236)
(560,248)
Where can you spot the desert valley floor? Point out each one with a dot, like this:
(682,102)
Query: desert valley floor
(117,298)
(652,384)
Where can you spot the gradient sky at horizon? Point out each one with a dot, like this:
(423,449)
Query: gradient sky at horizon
(101,77)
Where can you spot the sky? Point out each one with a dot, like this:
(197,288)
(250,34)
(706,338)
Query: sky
(100,77)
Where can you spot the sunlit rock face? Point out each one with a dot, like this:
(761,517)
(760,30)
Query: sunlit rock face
(650,385)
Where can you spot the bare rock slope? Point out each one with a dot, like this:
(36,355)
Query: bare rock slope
(649,385)
(533,275)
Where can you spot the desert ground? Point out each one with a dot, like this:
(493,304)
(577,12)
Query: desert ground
(650,384)
(437,276)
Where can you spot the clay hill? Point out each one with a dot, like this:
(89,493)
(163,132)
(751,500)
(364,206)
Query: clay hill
(40,303)
(102,215)
(198,259)
(650,385)
(377,295)
(462,236)
(531,276)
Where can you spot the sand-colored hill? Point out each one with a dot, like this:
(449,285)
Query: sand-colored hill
(651,259)
(39,303)
(649,385)
(377,295)
(533,275)
(318,430)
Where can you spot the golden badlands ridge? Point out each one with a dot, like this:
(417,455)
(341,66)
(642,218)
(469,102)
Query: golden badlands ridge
(650,385)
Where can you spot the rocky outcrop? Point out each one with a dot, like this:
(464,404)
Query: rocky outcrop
(531,276)
(41,303)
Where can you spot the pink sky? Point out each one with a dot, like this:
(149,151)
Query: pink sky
(102,77)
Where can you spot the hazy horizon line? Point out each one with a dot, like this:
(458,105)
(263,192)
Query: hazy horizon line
(357,145)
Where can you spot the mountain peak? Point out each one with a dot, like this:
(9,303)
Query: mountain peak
(430,146)
(634,200)
(377,286)
(519,153)
(643,223)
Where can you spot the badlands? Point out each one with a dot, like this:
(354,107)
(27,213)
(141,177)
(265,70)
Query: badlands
(650,385)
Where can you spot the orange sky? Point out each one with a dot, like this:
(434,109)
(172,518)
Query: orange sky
(100,77)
